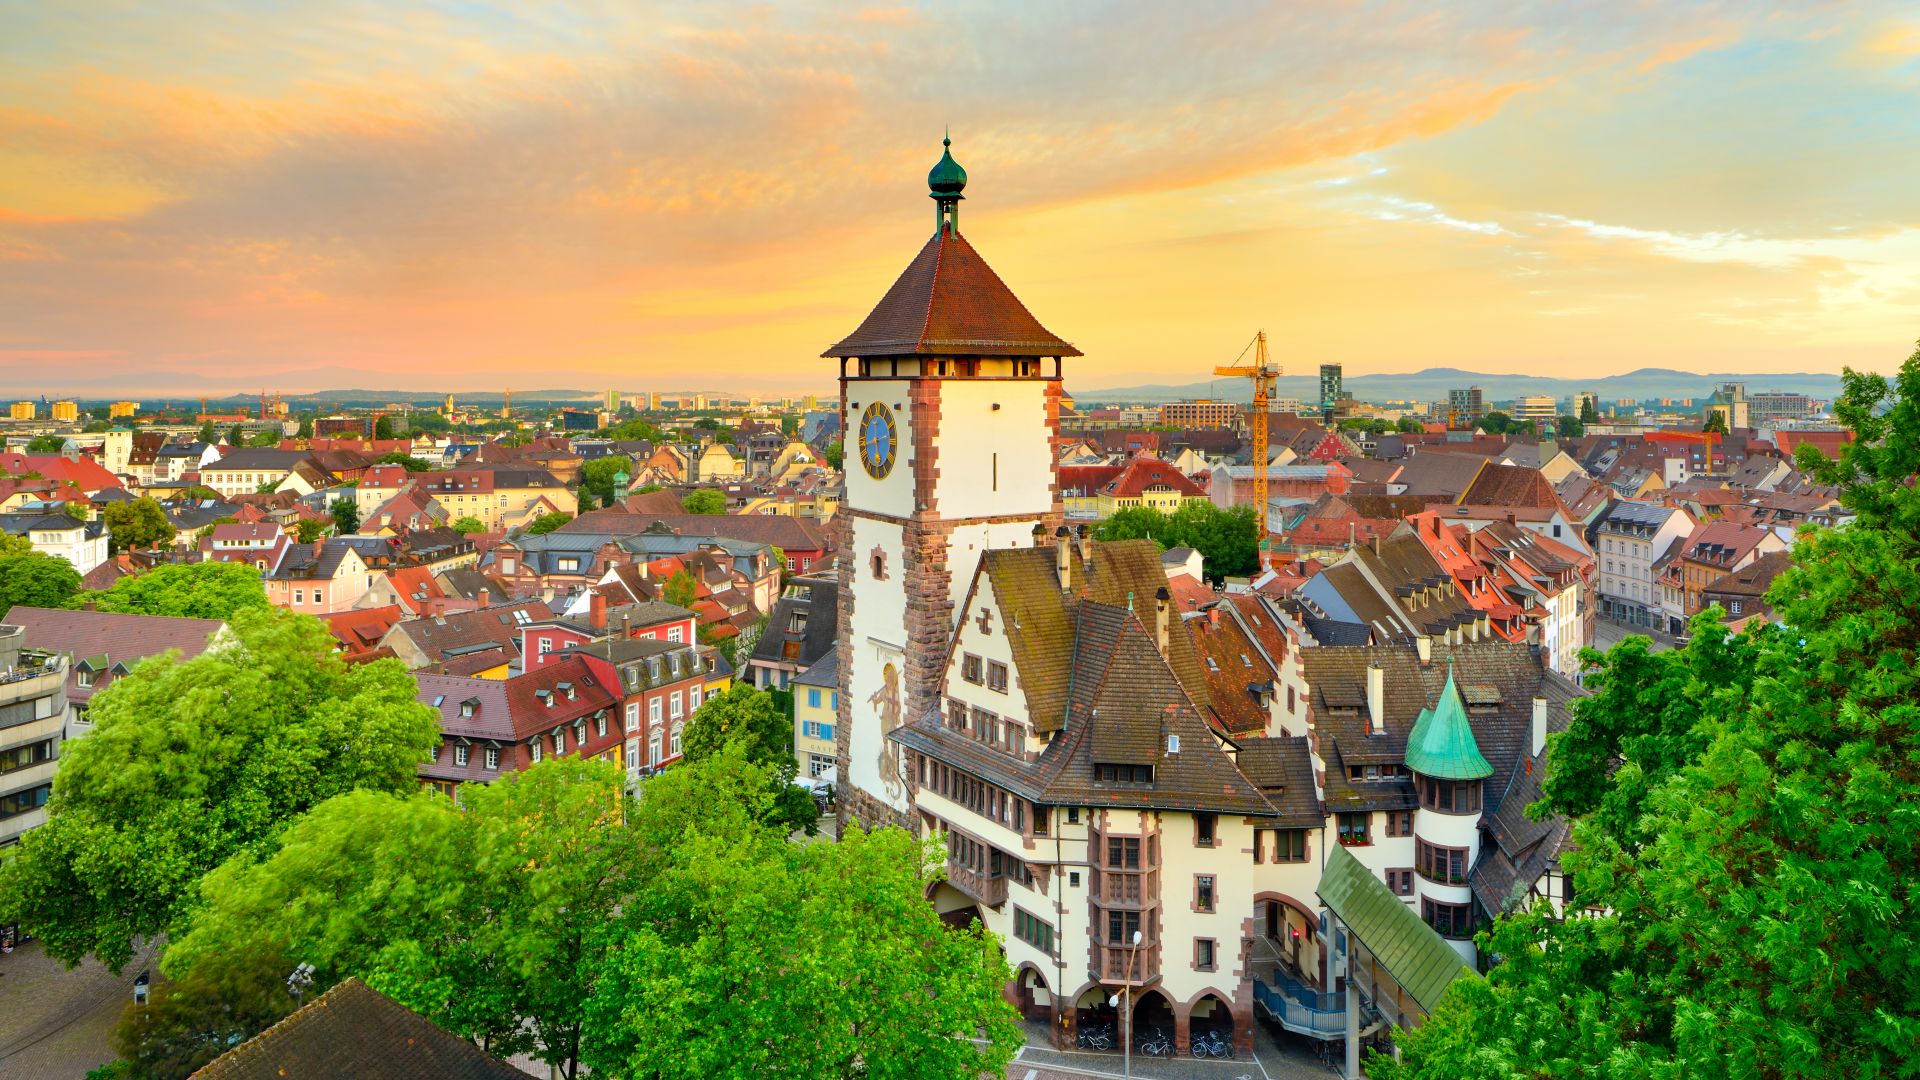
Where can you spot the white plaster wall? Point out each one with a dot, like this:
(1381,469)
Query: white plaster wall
(892,494)
(994,461)
(990,646)
(878,635)
(1234,872)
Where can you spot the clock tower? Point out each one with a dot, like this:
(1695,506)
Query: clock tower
(950,403)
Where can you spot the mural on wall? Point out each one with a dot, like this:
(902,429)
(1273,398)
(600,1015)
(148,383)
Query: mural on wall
(886,702)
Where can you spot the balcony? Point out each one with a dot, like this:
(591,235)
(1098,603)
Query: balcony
(1126,888)
(991,891)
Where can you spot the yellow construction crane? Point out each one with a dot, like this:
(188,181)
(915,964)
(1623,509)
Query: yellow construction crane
(1263,372)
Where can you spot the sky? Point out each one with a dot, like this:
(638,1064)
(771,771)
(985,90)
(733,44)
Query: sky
(204,196)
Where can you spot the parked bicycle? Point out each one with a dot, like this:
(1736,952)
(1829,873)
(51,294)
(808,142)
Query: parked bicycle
(1206,1044)
(1155,1043)
(1096,1037)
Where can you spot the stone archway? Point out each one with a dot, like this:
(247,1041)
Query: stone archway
(1293,929)
(1155,1012)
(1033,995)
(1211,1014)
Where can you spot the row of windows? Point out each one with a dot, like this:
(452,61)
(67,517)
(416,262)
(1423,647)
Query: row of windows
(975,794)
(986,726)
(990,673)
(1033,930)
(1122,774)
(815,729)
(20,802)
(1447,865)
(490,757)
(1448,920)
(1287,845)
(985,860)
(1356,830)
(26,757)
(815,697)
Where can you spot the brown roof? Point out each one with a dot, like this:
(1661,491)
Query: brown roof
(949,302)
(354,1030)
(1510,485)
(104,640)
(786,533)
(467,631)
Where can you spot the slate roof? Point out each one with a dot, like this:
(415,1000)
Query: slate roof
(1440,476)
(779,530)
(1509,485)
(258,459)
(318,561)
(461,632)
(949,302)
(1497,681)
(103,640)
(1441,744)
(1282,769)
(1418,959)
(354,1030)
(1751,581)
(818,598)
(1520,849)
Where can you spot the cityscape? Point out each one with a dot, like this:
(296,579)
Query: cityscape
(960,694)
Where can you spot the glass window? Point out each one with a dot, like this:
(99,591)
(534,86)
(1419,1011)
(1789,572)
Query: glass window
(633,716)
(493,757)
(1203,892)
(460,755)
(1354,829)
(1203,953)
(1203,829)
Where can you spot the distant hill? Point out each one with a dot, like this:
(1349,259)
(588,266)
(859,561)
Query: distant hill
(1432,384)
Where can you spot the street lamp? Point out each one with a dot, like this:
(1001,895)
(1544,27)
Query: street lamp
(1126,1012)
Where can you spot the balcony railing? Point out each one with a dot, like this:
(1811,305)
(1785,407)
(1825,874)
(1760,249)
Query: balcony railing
(991,891)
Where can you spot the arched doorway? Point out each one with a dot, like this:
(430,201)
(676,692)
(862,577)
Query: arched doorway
(1210,1022)
(1095,1022)
(1153,1017)
(954,907)
(1032,996)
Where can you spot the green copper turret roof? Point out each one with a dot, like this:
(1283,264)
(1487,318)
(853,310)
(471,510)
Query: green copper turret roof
(1442,744)
(947,177)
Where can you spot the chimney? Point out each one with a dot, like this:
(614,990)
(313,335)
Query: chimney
(1510,519)
(1162,614)
(1063,556)
(1375,539)
(1539,725)
(1377,698)
(1039,534)
(1086,544)
(597,610)
(1424,645)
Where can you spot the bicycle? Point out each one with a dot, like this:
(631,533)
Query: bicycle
(1096,1038)
(1211,1044)
(1156,1044)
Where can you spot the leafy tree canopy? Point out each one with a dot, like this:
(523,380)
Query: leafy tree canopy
(346,515)
(546,523)
(837,453)
(1224,538)
(35,578)
(406,461)
(633,431)
(749,720)
(1716,423)
(704,501)
(1589,411)
(46,444)
(196,492)
(203,590)
(141,523)
(266,437)
(193,761)
(383,428)
(1744,814)
(1569,427)
(597,480)
(307,530)
(465,525)
(680,589)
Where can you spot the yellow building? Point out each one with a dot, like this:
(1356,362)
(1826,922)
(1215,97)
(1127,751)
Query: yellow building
(122,408)
(66,410)
(816,705)
(1150,483)
(23,410)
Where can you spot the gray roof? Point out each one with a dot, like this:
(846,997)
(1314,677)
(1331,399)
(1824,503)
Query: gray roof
(823,672)
(819,599)
(260,460)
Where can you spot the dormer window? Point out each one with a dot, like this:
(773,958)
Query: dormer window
(467,707)
(1109,773)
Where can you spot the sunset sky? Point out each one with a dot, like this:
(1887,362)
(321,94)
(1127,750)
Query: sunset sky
(214,197)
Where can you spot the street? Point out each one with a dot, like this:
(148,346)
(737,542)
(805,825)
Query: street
(56,1022)
(1607,634)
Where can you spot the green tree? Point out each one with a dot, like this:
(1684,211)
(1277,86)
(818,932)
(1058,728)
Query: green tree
(1224,538)
(1569,427)
(749,934)
(267,487)
(346,516)
(137,524)
(191,762)
(648,489)
(704,501)
(466,525)
(187,1023)
(633,431)
(750,720)
(1716,423)
(405,461)
(1496,423)
(237,435)
(307,530)
(1743,814)
(46,444)
(1408,425)
(597,480)
(306,427)
(492,918)
(204,590)
(680,589)
(193,492)
(382,428)
(266,437)
(546,523)
(207,433)
(837,454)
(1589,411)
(36,579)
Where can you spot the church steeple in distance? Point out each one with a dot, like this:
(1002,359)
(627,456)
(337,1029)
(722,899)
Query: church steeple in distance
(946,180)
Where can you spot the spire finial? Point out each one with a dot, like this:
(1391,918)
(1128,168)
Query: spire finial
(946,181)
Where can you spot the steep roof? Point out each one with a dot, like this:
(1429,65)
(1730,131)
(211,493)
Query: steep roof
(949,302)
(1417,958)
(1441,744)
(354,1030)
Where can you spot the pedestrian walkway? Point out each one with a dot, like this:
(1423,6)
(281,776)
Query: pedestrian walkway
(56,1021)
(1282,1058)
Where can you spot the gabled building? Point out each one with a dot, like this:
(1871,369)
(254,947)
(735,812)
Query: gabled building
(799,632)
(489,727)
(82,543)
(1631,540)
(314,579)
(489,636)
(1146,482)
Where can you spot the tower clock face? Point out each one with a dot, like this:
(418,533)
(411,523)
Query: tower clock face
(879,440)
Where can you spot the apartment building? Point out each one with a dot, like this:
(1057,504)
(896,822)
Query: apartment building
(33,709)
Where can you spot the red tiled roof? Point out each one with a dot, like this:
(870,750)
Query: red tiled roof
(949,302)
(1144,472)
(86,473)
(533,713)
(360,631)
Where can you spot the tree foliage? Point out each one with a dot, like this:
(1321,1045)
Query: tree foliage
(1589,411)
(1744,812)
(219,1004)
(193,761)
(382,428)
(204,590)
(46,444)
(466,525)
(307,530)
(704,501)
(749,720)
(1224,538)
(680,589)
(597,480)
(141,523)
(35,578)
(632,431)
(836,454)
(546,523)
(346,515)
(1716,423)
(405,460)
(1569,427)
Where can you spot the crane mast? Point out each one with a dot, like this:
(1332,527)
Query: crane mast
(1263,374)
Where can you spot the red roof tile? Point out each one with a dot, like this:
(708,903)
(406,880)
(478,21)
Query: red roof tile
(949,302)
